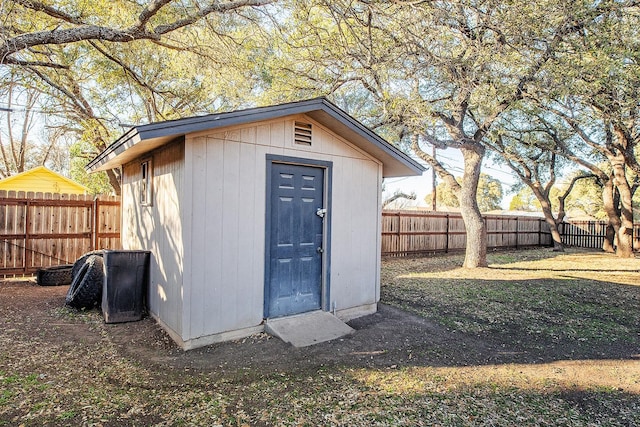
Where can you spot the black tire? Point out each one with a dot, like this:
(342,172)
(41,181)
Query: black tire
(86,288)
(58,275)
(80,262)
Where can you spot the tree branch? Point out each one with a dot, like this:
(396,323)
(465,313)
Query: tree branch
(37,6)
(60,36)
(435,164)
(561,198)
(13,61)
(67,94)
(129,71)
(213,8)
(552,174)
(396,196)
(151,10)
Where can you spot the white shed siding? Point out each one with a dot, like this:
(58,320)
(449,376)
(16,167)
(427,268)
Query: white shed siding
(225,222)
(354,244)
(226,236)
(158,228)
(355,219)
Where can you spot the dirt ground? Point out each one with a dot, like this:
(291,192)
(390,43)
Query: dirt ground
(390,337)
(398,368)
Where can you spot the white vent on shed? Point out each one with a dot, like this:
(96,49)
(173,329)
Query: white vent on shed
(302,133)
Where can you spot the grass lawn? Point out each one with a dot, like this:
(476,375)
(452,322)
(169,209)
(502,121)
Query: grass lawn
(536,339)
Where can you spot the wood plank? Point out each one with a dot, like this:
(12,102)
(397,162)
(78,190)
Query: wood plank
(418,232)
(231,295)
(41,229)
(200,292)
(250,223)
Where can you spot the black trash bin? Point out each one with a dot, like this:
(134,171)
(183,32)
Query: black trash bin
(125,285)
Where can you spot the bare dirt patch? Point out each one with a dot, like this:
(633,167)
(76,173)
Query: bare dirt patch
(535,339)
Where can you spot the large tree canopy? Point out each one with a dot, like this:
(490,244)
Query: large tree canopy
(526,144)
(592,95)
(442,73)
(30,27)
(110,64)
(463,74)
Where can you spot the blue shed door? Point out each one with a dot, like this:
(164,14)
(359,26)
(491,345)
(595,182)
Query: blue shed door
(295,242)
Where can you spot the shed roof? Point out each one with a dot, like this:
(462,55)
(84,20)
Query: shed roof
(42,179)
(144,138)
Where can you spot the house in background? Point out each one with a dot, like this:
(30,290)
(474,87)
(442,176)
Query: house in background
(42,180)
(255,214)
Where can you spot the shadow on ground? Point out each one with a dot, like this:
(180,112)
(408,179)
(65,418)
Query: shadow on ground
(487,323)
(392,337)
(463,361)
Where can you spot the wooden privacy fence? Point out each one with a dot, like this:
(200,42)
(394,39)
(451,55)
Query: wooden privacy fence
(408,232)
(411,232)
(590,234)
(40,230)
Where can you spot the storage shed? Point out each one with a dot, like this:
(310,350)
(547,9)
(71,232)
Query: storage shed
(255,214)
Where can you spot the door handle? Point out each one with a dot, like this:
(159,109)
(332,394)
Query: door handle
(319,250)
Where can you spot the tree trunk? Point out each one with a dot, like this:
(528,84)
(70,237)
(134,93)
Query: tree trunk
(609,203)
(476,250)
(545,204)
(625,230)
(609,244)
(114,180)
(558,246)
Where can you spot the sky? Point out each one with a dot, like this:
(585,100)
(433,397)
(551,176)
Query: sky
(452,160)
(421,185)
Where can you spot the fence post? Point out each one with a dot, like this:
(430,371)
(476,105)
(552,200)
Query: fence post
(539,232)
(398,233)
(446,244)
(517,232)
(27,252)
(94,225)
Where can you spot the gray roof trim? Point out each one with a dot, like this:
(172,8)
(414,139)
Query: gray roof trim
(174,128)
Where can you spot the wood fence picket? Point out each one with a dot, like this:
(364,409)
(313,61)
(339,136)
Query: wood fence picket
(407,233)
(40,230)
(44,229)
